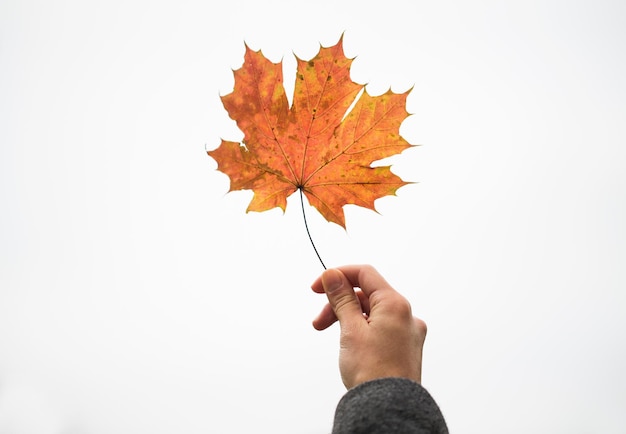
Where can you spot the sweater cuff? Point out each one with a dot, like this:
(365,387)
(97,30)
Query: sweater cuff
(388,405)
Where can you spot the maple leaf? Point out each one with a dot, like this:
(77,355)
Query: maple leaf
(315,145)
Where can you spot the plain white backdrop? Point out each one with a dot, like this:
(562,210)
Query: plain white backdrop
(137,296)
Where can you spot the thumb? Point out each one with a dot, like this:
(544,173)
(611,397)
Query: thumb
(341,297)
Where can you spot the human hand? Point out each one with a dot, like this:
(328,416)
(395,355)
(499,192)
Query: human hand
(379,335)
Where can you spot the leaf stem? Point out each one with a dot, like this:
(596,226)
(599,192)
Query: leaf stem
(307,229)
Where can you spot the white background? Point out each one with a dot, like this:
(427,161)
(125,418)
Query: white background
(136,296)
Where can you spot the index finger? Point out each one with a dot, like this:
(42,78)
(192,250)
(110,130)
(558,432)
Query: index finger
(365,277)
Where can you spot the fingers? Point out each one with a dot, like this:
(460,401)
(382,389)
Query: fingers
(325,319)
(339,284)
(362,276)
(327,316)
(342,299)
(367,278)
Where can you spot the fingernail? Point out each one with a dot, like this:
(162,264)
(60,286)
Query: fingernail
(332,281)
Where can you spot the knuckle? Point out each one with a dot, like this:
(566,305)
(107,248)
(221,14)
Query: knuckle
(343,301)
(421,327)
(365,272)
(402,307)
(367,268)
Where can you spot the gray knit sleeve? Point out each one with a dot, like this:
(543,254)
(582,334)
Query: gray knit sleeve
(388,406)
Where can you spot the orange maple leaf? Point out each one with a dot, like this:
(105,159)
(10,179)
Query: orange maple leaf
(313,146)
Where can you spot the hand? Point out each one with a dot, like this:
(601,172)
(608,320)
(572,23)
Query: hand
(379,335)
